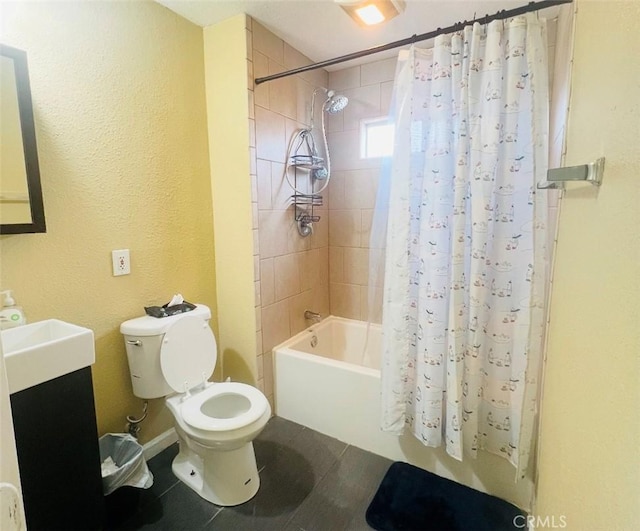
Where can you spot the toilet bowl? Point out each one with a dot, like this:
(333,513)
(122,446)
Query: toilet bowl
(215,422)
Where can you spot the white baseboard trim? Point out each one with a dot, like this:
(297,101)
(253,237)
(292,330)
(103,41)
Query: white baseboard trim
(157,444)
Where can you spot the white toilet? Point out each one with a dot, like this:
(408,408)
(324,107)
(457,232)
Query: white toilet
(216,422)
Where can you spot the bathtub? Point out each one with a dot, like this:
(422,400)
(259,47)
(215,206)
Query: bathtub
(327,378)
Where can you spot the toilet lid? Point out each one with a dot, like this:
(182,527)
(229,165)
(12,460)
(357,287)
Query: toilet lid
(188,354)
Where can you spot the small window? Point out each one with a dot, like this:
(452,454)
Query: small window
(376,138)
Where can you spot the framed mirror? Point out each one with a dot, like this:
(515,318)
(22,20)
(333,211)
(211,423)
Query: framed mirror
(21,205)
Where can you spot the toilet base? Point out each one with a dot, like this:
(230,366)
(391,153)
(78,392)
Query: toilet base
(226,478)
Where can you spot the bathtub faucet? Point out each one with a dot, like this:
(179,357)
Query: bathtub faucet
(312,316)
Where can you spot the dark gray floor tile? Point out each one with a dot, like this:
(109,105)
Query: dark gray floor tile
(340,500)
(178,509)
(292,469)
(163,477)
(278,431)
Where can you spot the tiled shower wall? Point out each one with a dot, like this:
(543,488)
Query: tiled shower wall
(291,272)
(354,183)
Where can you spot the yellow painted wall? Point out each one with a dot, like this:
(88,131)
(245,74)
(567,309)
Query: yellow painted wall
(590,439)
(118,93)
(225,57)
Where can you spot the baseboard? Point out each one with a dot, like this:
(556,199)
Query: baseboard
(159,443)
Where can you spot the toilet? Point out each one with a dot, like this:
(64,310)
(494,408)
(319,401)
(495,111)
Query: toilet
(215,422)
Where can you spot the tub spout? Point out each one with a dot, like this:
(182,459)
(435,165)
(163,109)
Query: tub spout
(312,316)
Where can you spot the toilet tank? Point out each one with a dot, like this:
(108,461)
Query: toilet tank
(143,340)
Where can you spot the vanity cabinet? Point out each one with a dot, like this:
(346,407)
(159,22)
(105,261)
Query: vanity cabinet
(58,455)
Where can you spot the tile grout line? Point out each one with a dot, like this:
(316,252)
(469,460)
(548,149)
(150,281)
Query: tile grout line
(206,524)
(293,515)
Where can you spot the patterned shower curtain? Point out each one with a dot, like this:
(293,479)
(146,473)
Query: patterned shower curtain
(466,265)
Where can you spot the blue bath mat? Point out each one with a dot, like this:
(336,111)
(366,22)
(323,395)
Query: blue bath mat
(412,499)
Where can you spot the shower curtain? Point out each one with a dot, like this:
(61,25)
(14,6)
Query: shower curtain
(466,265)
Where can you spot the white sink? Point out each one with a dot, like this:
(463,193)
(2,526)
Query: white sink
(39,352)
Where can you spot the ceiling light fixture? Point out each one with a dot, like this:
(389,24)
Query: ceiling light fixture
(371,12)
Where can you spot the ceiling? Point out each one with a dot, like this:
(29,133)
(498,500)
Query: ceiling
(321,30)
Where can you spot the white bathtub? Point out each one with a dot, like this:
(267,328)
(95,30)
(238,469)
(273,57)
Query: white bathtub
(332,385)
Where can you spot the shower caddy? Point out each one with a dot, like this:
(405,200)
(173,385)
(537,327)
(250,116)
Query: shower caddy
(306,166)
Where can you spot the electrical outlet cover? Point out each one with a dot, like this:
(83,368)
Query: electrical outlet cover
(121,262)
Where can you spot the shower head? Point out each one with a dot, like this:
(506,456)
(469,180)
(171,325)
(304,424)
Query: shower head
(335,103)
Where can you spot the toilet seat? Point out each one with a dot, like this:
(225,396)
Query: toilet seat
(185,368)
(193,414)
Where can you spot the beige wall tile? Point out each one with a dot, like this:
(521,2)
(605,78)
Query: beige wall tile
(320,300)
(250,75)
(281,192)
(335,122)
(345,79)
(253,168)
(294,59)
(295,242)
(254,215)
(314,269)
(345,228)
(356,263)
(378,71)
(264,184)
(323,265)
(297,306)
(258,298)
(282,93)
(268,373)
(267,282)
(376,316)
(258,318)
(270,135)
(360,188)
(336,264)
(345,300)
(252,133)
(249,36)
(275,322)
(260,364)
(267,43)
(274,232)
(364,102)
(304,95)
(386,92)
(254,188)
(259,341)
(256,242)
(345,151)
(261,69)
(367,219)
(287,276)
(309,266)
(336,190)
(250,102)
(320,236)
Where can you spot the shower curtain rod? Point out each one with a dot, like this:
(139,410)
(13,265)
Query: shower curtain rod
(500,15)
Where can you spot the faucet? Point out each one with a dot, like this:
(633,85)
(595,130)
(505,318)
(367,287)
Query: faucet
(312,316)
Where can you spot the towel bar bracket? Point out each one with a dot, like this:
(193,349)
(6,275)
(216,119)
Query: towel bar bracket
(591,173)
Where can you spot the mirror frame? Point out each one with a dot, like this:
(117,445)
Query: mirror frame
(29,143)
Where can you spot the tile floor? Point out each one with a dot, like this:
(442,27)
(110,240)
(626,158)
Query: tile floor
(309,482)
